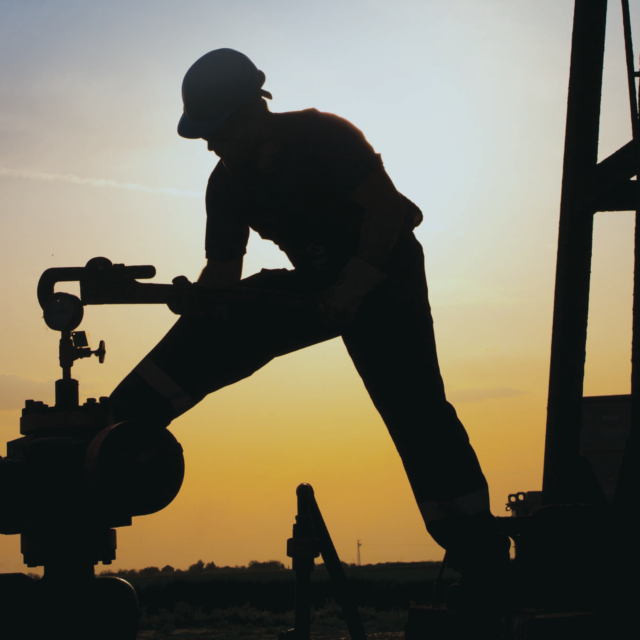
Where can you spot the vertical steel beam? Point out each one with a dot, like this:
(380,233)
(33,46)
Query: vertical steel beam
(571,305)
(626,498)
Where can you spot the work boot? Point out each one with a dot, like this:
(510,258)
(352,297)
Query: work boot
(483,588)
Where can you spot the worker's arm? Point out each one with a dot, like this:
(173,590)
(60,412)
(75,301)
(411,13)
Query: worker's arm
(219,274)
(383,214)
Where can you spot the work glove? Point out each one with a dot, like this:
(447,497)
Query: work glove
(182,289)
(342,300)
(191,298)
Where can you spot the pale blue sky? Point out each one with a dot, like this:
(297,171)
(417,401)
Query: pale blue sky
(449,92)
(465,99)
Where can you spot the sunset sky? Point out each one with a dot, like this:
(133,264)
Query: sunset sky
(466,102)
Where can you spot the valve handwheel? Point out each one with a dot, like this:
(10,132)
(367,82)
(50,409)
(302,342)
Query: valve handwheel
(101,352)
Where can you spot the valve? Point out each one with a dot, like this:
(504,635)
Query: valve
(101,352)
(74,345)
(82,347)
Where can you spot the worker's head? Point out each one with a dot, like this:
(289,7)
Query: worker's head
(243,138)
(220,85)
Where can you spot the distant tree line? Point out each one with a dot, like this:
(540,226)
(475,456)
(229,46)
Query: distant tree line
(198,568)
(205,568)
(391,586)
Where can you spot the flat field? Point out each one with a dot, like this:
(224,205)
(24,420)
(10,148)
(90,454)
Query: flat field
(234,605)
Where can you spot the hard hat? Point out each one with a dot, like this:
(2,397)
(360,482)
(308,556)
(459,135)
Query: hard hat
(213,88)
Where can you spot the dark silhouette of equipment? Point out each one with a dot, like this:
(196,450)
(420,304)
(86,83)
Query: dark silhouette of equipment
(576,554)
(587,496)
(309,540)
(71,480)
(74,476)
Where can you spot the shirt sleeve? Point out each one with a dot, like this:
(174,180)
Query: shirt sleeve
(226,234)
(343,148)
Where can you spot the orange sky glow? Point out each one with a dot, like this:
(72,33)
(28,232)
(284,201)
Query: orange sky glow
(466,102)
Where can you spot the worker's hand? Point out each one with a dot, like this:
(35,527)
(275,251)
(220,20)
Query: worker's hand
(182,286)
(219,274)
(342,300)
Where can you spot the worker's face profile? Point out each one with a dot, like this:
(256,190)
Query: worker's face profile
(237,140)
(235,151)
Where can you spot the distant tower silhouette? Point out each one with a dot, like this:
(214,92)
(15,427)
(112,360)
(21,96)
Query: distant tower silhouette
(358,563)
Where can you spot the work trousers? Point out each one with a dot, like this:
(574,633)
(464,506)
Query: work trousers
(392,345)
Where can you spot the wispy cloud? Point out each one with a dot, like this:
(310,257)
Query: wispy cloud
(96,182)
(478,395)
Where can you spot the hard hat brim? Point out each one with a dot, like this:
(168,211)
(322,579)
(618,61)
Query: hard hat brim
(192,129)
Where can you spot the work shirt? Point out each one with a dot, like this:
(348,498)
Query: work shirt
(304,205)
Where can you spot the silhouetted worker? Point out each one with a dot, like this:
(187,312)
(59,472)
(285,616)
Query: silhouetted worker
(312,184)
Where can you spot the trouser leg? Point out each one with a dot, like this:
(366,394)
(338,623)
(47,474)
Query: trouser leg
(202,354)
(393,347)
